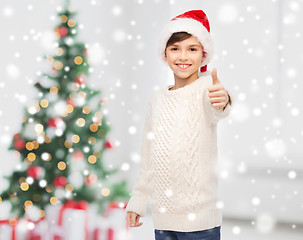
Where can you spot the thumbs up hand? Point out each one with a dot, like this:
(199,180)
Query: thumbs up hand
(217,94)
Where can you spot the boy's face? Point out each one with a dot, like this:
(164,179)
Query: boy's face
(185,58)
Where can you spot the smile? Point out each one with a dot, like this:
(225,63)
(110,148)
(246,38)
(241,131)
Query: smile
(183,66)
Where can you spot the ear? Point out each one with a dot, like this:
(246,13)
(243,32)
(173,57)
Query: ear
(165,56)
(203,58)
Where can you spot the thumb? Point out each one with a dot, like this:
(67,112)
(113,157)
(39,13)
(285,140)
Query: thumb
(214,76)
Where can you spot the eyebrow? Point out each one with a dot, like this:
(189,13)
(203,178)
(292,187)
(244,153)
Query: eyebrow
(192,45)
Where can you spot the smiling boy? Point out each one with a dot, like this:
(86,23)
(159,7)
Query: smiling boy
(179,150)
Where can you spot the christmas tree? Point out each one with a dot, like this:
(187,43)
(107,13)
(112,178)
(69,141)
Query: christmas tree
(63,136)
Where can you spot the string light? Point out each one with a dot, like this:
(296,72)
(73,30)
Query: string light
(69,108)
(82,94)
(63,18)
(61,165)
(22,179)
(75,138)
(78,60)
(42,213)
(53,90)
(92,159)
(24,186)
(39,128)
(68,144)
(53,200)
(92,140)
(46,156)
(36,197)
(44,103)
(58,65)
(50,59)
(29,146)
(69,187)
(31,157)
(36,144)
(105,192)
(60,51)
(94,127)
(101,132)
(47,139)
(86,110)
(71,23)
(80,122)
(75,86)
(48,189)
(27,204)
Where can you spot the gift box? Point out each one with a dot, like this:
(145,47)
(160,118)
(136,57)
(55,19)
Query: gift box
(73,221)
(101,229)
(8,229)
(37,230)
(52,216)
(114,218)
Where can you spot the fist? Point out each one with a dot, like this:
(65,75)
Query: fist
(132,219)
(218,96)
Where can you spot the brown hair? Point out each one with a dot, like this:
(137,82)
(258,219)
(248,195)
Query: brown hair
(178,37)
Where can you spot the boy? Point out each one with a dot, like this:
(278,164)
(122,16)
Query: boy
(179,150)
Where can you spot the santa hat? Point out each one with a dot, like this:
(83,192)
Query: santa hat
(194,22)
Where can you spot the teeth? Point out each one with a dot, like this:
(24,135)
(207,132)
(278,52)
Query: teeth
(183,66)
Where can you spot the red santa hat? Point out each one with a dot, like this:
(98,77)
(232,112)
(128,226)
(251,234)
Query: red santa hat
(194,22)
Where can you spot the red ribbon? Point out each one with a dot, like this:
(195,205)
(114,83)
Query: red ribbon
(13,226)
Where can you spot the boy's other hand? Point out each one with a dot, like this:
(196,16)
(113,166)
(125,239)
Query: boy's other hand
(217,94)
(132,219)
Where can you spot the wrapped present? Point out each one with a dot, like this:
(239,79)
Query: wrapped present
(101,229)
(52,215)
(8,229)
(118,228)
(73,219)
(37,229)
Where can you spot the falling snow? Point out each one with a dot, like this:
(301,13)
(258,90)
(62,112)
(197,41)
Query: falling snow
(258,57)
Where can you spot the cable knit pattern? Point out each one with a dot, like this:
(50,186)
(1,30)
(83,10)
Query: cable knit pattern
(178,167)
(163,134)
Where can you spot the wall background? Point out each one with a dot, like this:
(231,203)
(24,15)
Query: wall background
(258,54)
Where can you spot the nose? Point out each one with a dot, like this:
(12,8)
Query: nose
(183,55)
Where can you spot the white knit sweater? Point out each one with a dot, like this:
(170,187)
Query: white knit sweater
(178,168)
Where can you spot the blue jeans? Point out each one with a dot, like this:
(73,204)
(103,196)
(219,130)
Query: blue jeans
(208,234)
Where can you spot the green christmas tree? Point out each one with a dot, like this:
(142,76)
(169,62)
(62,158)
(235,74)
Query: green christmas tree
(63,136)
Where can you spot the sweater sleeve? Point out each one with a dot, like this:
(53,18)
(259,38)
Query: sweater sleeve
(216,114)
(140,192)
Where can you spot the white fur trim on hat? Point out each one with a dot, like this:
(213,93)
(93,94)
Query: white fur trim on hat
(192,27)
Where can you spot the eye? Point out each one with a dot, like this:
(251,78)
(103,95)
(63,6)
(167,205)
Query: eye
(193,49)
(174,49)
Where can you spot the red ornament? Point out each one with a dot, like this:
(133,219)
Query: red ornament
(108,144)
(60,181)
(63,31)
(91,179)
(71,102)
(115,204)
(17,136)
(54,122)
(35,172)
(78,156)
(81,79)
(19,144)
